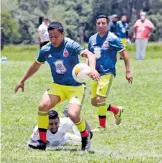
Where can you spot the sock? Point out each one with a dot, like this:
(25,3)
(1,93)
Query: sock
(43,121)
(87,126)
(102,121)
(102,110)
(81,125)
(113,109)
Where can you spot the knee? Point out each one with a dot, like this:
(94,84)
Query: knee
(44,107)
(94,102)
(100,100)
(74,116)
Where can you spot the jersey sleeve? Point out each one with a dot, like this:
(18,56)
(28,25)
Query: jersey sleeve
(90,44)
(66,124)
(41,57)
(77,49)
(117,45)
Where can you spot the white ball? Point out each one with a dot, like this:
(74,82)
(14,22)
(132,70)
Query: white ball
(81,72)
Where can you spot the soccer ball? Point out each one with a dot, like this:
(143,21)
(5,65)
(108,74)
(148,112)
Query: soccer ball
(81,72)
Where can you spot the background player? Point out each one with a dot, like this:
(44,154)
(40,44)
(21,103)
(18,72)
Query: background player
(105,46)
(122,31)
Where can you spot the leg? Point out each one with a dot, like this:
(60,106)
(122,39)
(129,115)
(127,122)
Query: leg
(102,92)
(143,48)
(76,97)
(99,102)
(138,49)
(117,110)
(47,102)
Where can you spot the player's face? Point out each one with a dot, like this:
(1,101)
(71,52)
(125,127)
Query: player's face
(123,18)
(115,19)
(54,125)
(56,37)
(102,25)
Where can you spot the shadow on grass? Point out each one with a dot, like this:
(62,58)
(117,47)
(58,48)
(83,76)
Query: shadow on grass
(74,150)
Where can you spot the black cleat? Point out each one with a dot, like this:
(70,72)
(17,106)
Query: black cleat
(86,143)
(91,134)
(41,145)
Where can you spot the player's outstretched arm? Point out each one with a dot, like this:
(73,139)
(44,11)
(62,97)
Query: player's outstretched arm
(32,70)
(92,63)
(127,66)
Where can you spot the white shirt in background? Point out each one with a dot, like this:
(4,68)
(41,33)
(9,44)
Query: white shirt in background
(43,29)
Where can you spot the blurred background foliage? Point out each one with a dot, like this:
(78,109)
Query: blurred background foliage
(20,18)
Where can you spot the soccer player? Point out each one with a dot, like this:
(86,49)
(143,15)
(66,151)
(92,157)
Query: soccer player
(113,24)
(62,55)
(57,133)
(105,46)
(122,31)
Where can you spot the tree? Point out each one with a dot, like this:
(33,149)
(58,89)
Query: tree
(10,28)
(28,18)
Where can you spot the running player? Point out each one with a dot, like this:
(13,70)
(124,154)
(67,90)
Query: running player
(105,46)
(62,55)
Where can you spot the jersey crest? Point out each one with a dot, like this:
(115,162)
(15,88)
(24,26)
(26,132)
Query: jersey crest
(60,67)
(97,52)
(65,53)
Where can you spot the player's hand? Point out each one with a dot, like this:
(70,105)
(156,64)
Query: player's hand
(129,77)
(19,85)
(95,75)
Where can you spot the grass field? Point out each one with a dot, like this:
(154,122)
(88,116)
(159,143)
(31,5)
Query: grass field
(138,139)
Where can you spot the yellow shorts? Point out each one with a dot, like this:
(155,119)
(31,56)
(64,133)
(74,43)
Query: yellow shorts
(124,41)
(101,87)
(74,94)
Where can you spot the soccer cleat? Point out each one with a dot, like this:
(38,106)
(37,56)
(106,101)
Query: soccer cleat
(91,134)
(118,115)
(40,145)
(86,143)
(99,129)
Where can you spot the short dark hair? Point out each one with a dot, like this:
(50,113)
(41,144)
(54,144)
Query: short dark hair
(102,16)
(56,25)
(53,114)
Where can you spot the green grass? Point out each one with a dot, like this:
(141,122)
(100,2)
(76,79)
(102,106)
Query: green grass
(137,140)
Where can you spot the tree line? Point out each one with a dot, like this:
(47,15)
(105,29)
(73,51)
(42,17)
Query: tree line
(20,18)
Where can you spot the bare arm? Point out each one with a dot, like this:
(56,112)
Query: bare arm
(92,63)
(31,71)
(127,66)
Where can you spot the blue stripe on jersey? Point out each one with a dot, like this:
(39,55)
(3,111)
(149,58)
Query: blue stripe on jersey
(61,60)
(105,48)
